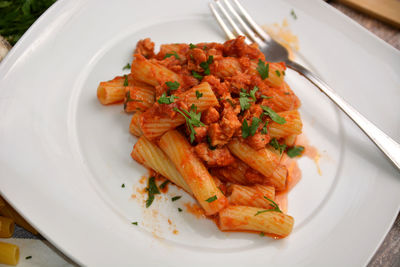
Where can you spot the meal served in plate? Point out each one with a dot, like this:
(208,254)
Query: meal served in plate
(217,120)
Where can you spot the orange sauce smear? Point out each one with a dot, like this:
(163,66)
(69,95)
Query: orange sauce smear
(309,150)
(195,209)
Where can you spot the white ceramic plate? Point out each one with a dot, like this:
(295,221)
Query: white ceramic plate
(64,156)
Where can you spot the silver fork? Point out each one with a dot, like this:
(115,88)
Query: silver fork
(278,53)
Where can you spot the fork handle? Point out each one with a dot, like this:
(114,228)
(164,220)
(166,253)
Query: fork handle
(386,144)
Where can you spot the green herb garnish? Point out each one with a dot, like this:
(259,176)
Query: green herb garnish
(151,190)
(211,199)
(295,151)
(263,69)
(126,80)
(197,76)
(211,147)
(27,257)
(166,99)
(191,46)
(173,53)
(262,234)
(179,209)
(206,65)
(273,115)
(275,207)
(266,97)
(264,129)
(172,85)
(163,185)
(123,185)
(176,198)
(192,120)
(244,100)
(127,67)
(250,130)
(253,93)
(135,223)
(293,14)
(275,144)
(198,94)
(278,73)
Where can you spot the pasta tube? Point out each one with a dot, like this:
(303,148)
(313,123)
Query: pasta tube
(6,227)
(138,98)
(293,125)
(151,72)
(8,211)
(193,171)
(275,223)
(264,161)
(253,196)
(112,91)
(9,253)
(134,126)
(151,156)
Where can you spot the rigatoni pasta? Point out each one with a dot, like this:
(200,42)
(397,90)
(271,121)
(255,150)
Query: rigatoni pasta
(214,119)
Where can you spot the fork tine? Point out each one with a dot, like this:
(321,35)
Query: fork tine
(249,31)
(221,22)
(233,24)
(255,26)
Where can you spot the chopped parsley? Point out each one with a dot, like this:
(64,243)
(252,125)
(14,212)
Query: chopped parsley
(151,190)
(278,73)
(263,69)
(28,257)
(293,14)
(275,207)
(244,100)
(166,99)
(164,184)
(192,119)
(206,65)
(264,129)
(197,76)
(295,151)
(127,67)
(211,199)
(173,53)
(250,130)
(287,93)
(179,209)
(176,198)
(198,94)
(253,93)
(135,223)
(283,72)
(123,185)
(211,147)
(230,102)
(266,97)
(275,144)
(273,115)
(126,80)
(191,46)
(172,86)
(262,234)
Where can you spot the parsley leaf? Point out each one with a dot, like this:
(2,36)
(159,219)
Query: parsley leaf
(197,76)
(173,85)
(198,94)
(127,67)
(275,144)
(211,147)
(253,93)
(135,223)
(250,130)
(164,184)
(278,73)
(151,190)
(262,234)
(264,129)
(166,99)
(211,199)
(28,257)
(244,101)
(275,207)
(123,185)
(293,14)
(295,151)
(173,53)
(263,69)
(191,46)
(126,80)
(179,209)
(192,119)
(273,115)
(206,65)
(176,198)
(266,97)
